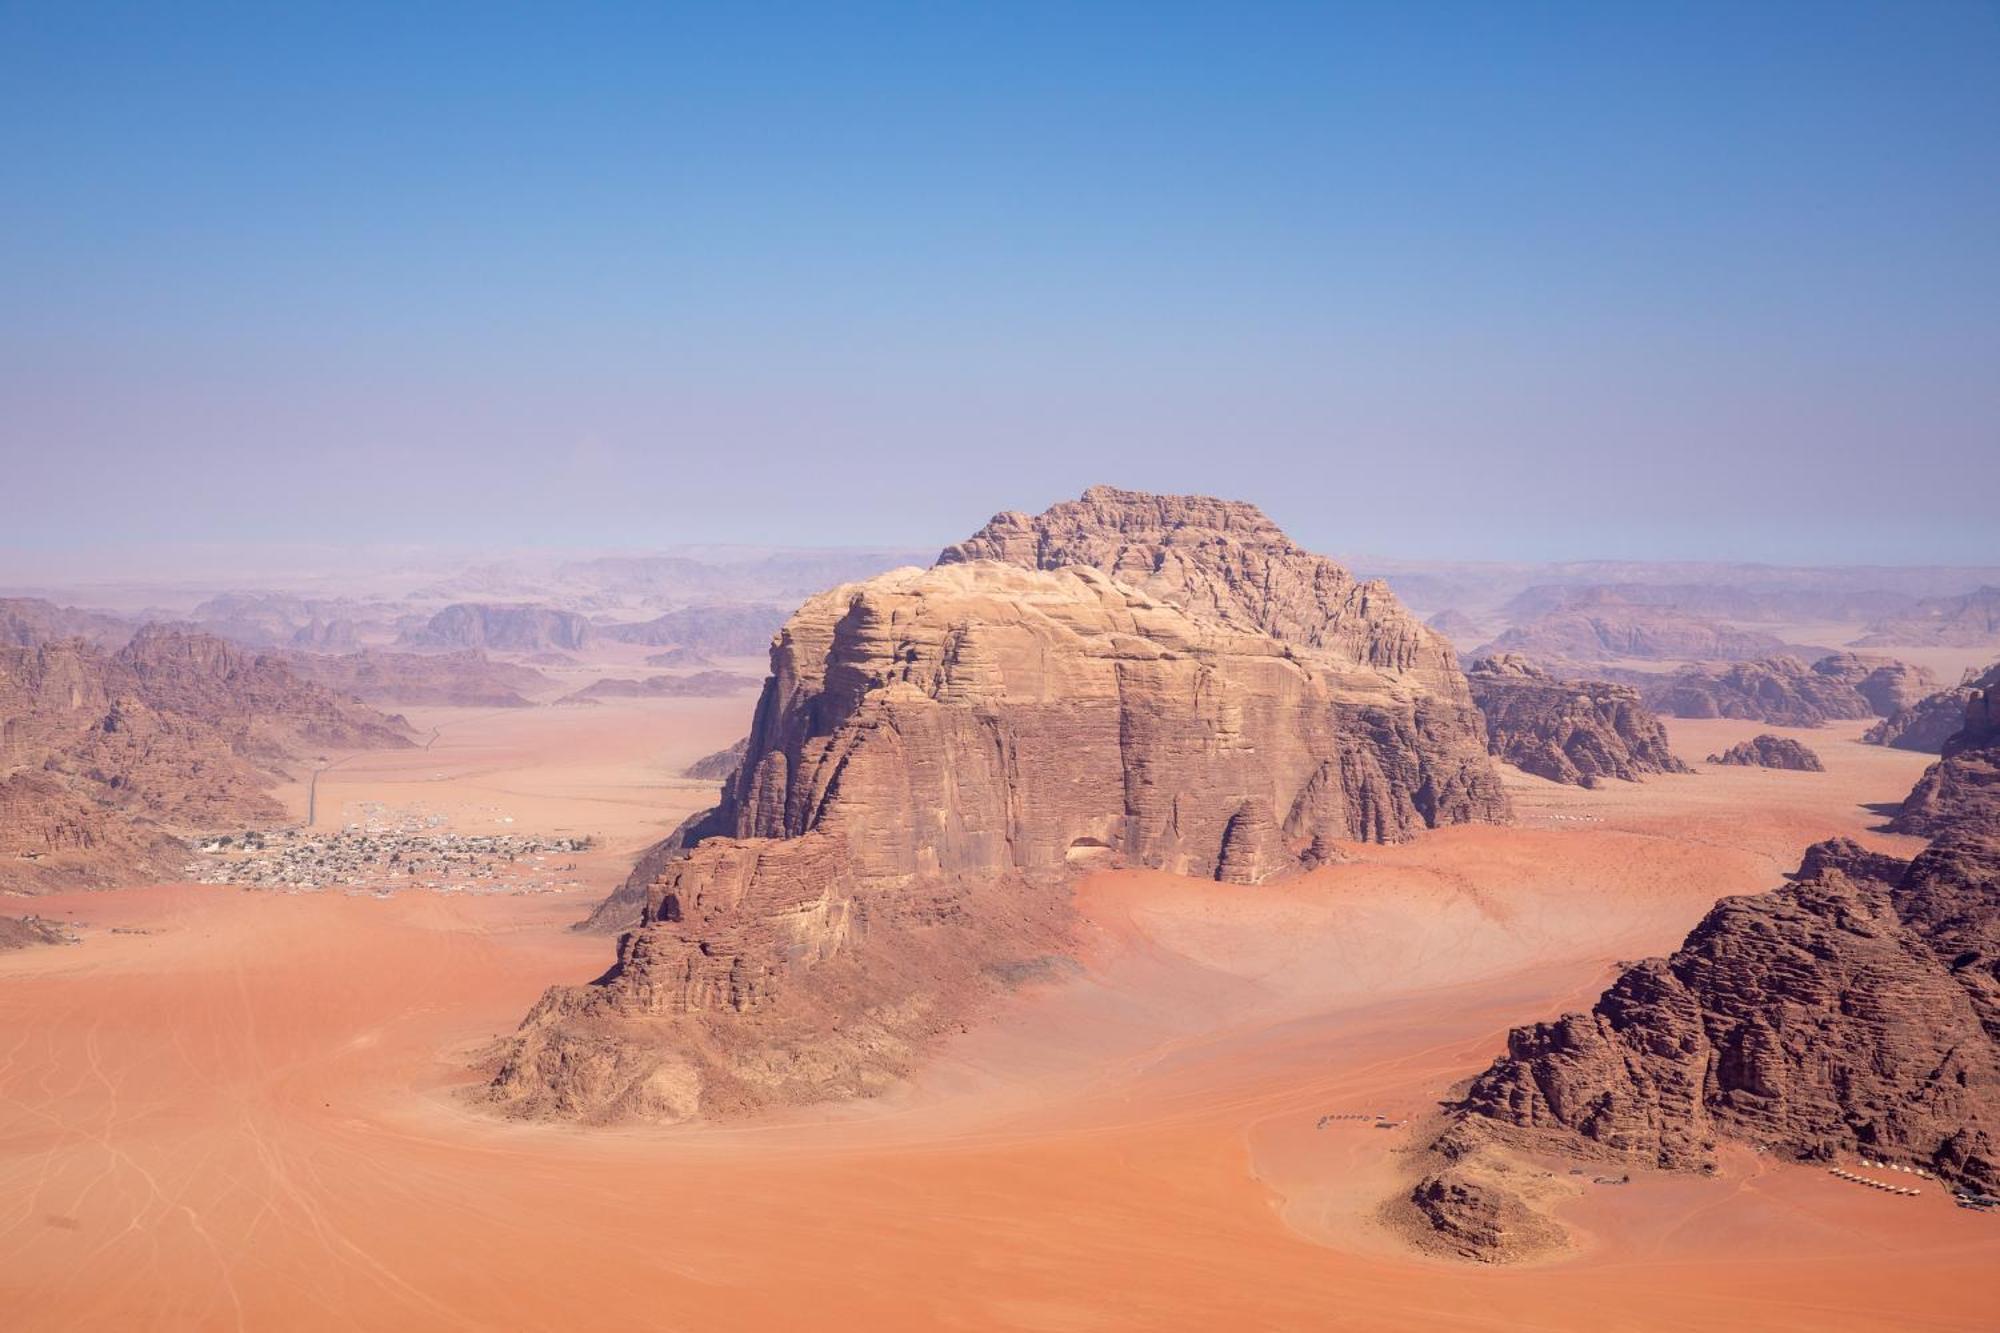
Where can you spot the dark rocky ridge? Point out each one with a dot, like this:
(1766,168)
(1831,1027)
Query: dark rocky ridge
(1574,731)
(1769,751)
(1855,1010)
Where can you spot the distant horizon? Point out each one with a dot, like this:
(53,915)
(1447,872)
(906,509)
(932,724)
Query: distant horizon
(1458,281)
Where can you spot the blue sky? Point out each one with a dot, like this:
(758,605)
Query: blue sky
(1472,281)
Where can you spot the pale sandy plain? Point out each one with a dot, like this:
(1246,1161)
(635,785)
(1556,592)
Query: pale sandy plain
(252,1115)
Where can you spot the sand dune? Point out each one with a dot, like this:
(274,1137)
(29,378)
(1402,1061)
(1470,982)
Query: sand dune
(246,1117)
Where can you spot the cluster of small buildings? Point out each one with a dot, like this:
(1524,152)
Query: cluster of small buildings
(381,859)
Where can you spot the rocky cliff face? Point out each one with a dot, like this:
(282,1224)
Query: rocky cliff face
(1855,1010)
(1787,692)
(1226,562)
(1961,792)
(1573,731)
(1932,720)
(100,756)
(932,755)
(1770,752)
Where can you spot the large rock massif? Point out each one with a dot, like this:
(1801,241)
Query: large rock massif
(1129,679)
(1934,719)
(1960,793)
(1609,632)
(1573,731)
(1970,621)
(502,628)
(1787,692)
(102,756)
(1854,1010)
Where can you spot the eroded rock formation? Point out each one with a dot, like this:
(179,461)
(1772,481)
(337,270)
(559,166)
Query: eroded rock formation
(1768,751)
(1787,692)
(1934,719)
(102,756)
(1573,731)
(1960,793)
(467,678)
(503,628)
(935,750)
(1855,1010)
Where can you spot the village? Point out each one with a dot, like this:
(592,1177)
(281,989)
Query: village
(386,853)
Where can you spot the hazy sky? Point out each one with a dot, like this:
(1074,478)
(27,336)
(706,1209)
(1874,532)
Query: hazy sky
(1486,280)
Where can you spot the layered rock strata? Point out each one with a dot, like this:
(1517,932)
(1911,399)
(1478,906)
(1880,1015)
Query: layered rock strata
(936,751)
(1573,731)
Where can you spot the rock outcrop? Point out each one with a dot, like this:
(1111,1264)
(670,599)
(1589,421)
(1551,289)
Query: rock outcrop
(1611,632)
(699,685)
(1856,1010)
(464,679)
(28,622)
(934,752)
(1970,621)
(1225,561)
(503,628)
(1574,731)
(1768,751)
(102,757)
(1934,719)
(706,631)
(1787,692)
(1960,793)
(721,765)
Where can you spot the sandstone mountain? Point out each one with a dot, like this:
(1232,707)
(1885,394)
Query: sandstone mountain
(102,757)
(1609,632)
(1856,1010)
(26,622)
(1970,621)
(699,685)
(502,628)
(1787,692)
(1455,626)
(466,678)
(935,751)
(1572,731)
(1934,719)
(708,631)
(679,657)
(1769,751)
(1960,793)
(1225,561)
(719,766)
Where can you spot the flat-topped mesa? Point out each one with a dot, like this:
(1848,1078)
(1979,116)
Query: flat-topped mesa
(1226,561)
(933,753)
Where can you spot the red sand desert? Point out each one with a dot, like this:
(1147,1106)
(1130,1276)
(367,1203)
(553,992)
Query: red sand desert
(232,1109)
